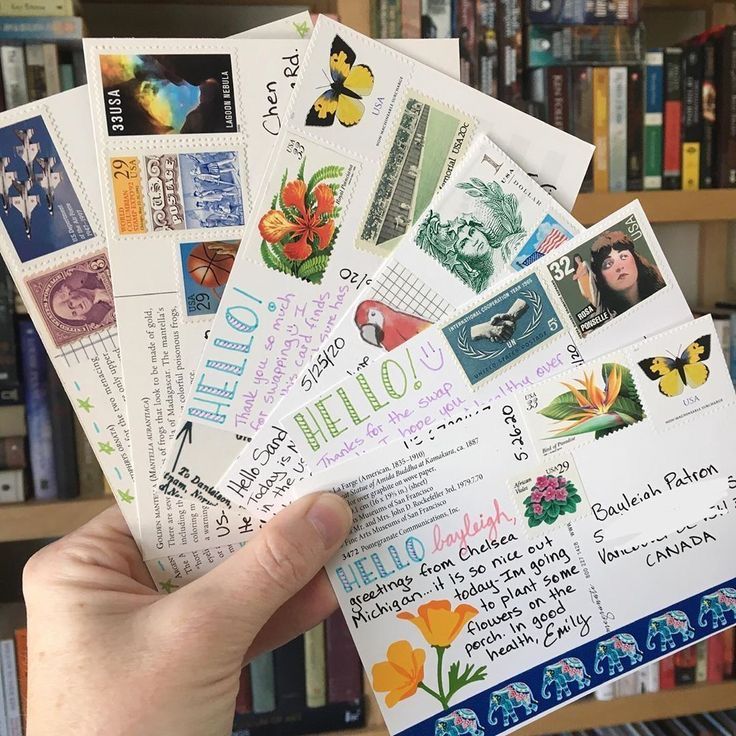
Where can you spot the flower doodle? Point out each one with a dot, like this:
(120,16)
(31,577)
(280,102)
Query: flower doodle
(550,497)
(403,672)
(299,230)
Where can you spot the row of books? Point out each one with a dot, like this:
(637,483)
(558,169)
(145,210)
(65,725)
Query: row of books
(13,683)
(721,723)
(710,661)
(39,457)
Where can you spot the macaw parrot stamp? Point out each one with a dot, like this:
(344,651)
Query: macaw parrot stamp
(75,300)
(205,269)
(502,329)
(39,206)
(429,140)
(607,275)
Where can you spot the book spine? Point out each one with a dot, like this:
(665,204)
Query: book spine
(37,7)
(617,85)
(393,18)
(344,671)
(262,683)
(80,70)
(244,699)
(666,673)
(653,106)
(66,76)
(691,118)
(582,113)
(436,18)
(35,71)
(600,128)
(569,12)
(555,45)
(716,658)
(411,15)
(726,108)
(13,453)
(729,648)
(3,709)
(510,52)
(607,691)
(701,663)
(38,414)
(465,25)
(558,97)
(486,23)
(10,686)
(686,661)
(62,418)
(51,68)
(315,667)
(12,486)
(21,657)
(732,357)
(708,95)
(9,378)
(288,664)
(672,119)
(41,28)
(13,65)
(635,129)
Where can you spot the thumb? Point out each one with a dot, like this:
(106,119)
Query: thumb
(240,595)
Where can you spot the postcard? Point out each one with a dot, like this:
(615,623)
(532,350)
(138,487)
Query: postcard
(481,582)
(301,259)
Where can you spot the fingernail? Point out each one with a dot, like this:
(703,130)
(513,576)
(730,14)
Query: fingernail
(331,517)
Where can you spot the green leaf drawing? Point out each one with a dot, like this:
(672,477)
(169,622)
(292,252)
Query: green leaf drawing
(561,406)
(280,195)
(457,680)
(535,521)
(273,259)
(628,387)
(300,174)
(313,267)
(326,172)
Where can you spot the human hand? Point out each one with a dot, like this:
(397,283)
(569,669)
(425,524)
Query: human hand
(108,654)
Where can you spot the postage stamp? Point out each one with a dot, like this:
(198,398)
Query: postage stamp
(550,234)
(497,332)
(300,230)
(38,205)
(428,142)
(157,94)
(184,191)
(551,496)
(205,269)
(75,300)
(607,275)
(586,405)
(682,372)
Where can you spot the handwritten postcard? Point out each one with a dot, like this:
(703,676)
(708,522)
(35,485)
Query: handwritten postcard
(481,580)
(292,278)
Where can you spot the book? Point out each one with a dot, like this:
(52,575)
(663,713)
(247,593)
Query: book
(36,7)
(10,687)
(288,665)
(635,129)
(708,97)
(38,412)
(701,663)
(582,113)
(66,76)
(510,52)
(436,18)
(552,45)
(649,678)
(344,670)
(581,12)
(672,119)
(729,647)
(715,660)
(692,128)
(3,711)
(51,68)
(62,418)
(89,471)
(653,106)
(13,65)
(617,148)
(41,28)
(488,71)
(465,32)
(80,70)
(13,421)
(13,453)
(558,97)
(35,71)
(411,19)
(12,486)
(244,698)
(726,107)
(315,667)
(21,659)
(9,376)
(262,683)
(600,128)
(666,673)
(685,664)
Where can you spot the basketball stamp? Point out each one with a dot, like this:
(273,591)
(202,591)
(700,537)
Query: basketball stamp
(185,191)
(75,300)
(551,496)
(158,94)
(299,232)
(205,268)
(429,140)
(493,335)
(38,205)
(582,405)
(606,275)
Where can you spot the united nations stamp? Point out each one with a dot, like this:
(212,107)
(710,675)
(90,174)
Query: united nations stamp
(205,269)
(606,275)
(499,331)
(584,406)
(300,231)
(429,140)
(38,205)
(551,496)
(75,300)
(550,234)
(157,94)
(184,191)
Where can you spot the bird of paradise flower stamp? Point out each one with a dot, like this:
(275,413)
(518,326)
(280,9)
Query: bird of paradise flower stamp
(401,675)
(300,230)
(587,405)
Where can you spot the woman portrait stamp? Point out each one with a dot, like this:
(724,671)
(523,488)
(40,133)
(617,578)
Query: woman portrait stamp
(75,300)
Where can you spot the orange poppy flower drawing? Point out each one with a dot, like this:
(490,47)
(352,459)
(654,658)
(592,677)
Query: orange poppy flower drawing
(402,673)
(300,229)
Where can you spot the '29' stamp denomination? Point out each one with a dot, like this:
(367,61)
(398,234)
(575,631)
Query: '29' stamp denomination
(75,300)
(497,332)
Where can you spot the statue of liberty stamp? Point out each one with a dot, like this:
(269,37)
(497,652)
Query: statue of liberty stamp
(75,300)
(499,331)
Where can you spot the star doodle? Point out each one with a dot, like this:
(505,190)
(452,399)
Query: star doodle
(126,496)
(85,404)
(302,29)
(168,587)
(106,447)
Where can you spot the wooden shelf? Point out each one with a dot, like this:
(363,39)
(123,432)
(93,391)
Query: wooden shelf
(705,205)
(592,713)
(39,520)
